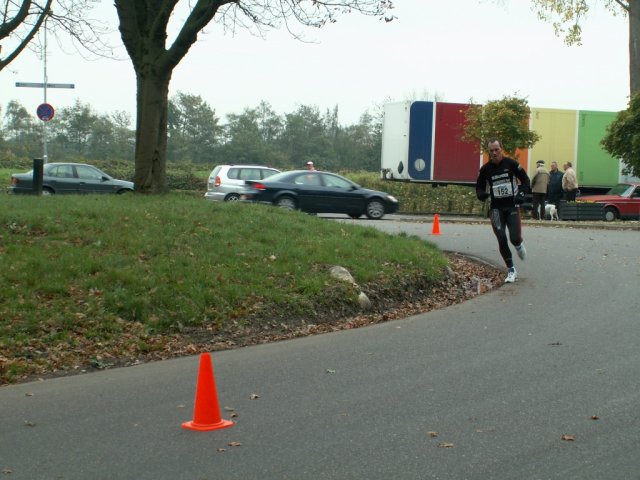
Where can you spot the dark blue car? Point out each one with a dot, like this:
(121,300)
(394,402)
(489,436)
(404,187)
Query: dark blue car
(319,192)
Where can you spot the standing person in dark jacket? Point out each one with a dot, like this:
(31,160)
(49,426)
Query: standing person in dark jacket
(554,194)
(500,174)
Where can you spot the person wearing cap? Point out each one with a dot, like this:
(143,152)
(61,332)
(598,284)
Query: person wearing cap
(569,183)
(539,186)
(310,166)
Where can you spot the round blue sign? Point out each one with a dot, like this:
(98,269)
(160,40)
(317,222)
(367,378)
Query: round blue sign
(45,112)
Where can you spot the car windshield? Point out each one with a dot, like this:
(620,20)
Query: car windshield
(620,189)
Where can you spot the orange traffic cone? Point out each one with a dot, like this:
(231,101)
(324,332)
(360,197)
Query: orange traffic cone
(436,225)
(206,415)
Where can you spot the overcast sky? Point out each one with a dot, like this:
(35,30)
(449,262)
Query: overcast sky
(460,50)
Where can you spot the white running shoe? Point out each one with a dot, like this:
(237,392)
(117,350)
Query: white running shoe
(511,275)
(521,251)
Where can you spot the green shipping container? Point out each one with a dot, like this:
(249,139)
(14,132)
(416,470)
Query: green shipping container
(594,166)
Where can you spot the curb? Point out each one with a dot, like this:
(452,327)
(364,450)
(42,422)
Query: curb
(576,224)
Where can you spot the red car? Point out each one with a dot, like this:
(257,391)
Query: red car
(622,201)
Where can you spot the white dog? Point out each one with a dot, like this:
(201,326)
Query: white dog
(551,211)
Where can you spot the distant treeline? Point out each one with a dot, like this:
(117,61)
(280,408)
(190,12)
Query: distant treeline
(198,136)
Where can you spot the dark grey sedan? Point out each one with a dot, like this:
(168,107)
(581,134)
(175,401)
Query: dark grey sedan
(320,192)
(60,178)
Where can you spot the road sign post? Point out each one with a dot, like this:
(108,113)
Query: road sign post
(45,111)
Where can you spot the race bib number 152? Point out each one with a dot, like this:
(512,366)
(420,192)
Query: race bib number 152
(502,189)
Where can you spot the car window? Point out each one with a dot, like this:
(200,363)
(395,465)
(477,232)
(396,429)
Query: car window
(636,193)
(267,173)
(61,171)
(234,173)
(336,182)
(250,173)
(307,179)
(88,173)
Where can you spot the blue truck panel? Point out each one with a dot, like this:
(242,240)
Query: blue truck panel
(420,140)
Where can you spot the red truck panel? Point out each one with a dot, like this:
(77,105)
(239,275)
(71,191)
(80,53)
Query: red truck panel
(454,160)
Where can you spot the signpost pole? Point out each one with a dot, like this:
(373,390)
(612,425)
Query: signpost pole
(45,111)
(45,155)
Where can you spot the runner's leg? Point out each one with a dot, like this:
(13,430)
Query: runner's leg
(514,224)
(498,224)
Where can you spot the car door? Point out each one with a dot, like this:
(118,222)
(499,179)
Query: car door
(341,195)
(309,191)
(61,179)
(92,180)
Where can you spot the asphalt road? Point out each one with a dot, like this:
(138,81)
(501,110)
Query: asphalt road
(500,378)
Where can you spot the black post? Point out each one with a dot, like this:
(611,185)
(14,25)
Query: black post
(38,173)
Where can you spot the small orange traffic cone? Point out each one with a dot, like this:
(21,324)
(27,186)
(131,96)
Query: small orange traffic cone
(436,225)
(206,414)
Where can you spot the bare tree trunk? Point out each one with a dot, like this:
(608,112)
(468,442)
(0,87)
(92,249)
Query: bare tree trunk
(634,45)
(151,133)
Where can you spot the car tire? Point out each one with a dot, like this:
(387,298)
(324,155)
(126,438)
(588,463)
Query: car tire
(286,202)
(355,215)
(232,197)
(610,214)
(375,209)
(47,191)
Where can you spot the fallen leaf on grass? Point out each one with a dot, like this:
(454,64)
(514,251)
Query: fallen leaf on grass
(330,370)
(595,417)
(568,438)
(222,450)
(7,471)
(29,423)
(234,444)
(432,434)
(254,396)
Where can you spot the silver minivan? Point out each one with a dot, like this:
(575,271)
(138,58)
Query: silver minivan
(227,181)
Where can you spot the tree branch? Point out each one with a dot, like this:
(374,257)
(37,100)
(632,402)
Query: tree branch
(46,10)
(200,16)
(11,25)
(624,5)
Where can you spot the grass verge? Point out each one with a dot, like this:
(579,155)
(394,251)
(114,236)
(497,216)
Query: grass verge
(99,280)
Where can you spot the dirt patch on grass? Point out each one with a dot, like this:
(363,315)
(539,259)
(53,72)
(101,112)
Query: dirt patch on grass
(410,295)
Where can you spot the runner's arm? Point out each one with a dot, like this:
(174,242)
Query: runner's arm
(481,187)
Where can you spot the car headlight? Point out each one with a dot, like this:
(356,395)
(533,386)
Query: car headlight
(391,198)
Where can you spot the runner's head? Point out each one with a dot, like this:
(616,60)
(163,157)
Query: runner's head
(495,150)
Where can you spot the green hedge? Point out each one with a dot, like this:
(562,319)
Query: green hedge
(192,178)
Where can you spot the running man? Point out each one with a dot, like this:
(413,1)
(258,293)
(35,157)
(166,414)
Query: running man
(501,174)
